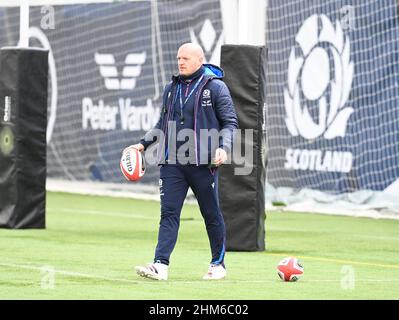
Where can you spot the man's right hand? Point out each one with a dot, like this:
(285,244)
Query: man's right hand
(137,146)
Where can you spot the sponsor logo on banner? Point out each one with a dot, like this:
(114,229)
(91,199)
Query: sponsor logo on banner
(7,109)
(6,140)
(319,77)
(208,40)
(6,134)
(130,72)
(102,116)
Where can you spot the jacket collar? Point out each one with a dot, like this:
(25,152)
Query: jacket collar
(192,76)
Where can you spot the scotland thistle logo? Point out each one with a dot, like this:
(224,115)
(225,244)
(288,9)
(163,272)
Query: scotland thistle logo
(320,76)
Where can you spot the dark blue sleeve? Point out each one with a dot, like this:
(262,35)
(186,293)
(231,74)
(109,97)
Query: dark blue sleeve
(150,137)
(226,114)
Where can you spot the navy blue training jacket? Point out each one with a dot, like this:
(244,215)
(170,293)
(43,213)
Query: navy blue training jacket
(213,109)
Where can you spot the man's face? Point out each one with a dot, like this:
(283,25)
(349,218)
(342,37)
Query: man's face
(188,61)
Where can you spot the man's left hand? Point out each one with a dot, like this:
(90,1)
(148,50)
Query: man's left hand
(220,157)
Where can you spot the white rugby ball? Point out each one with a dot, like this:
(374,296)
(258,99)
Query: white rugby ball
(132,164)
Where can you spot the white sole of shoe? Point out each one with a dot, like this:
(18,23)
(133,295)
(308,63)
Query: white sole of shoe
(145,273)
(210,278)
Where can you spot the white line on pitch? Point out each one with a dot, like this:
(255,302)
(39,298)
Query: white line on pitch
(102,213)
(111,214)
(345,234)
(227,281)
(66,273)
(376,237)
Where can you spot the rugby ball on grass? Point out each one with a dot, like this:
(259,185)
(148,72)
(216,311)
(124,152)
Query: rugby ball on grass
(290,269)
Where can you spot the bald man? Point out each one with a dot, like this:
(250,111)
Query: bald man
(194,102)
(190,57)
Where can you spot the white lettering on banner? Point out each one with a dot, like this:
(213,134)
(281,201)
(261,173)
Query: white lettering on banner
(318,160)
(104,117)
(138,118)
(7,109)
(98,117)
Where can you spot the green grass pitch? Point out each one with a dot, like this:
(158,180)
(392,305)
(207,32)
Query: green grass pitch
(91,245)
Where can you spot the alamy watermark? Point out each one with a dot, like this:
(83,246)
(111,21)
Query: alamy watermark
(48,17)
(47,280)
(348,277)
(347,17)
(187,146)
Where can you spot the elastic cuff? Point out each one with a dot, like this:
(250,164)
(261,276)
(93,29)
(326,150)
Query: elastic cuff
(163,261)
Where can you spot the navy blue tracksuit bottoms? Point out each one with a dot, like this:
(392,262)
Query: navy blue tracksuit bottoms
(174,183)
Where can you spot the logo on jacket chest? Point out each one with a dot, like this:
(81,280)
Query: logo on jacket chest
(206,98)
